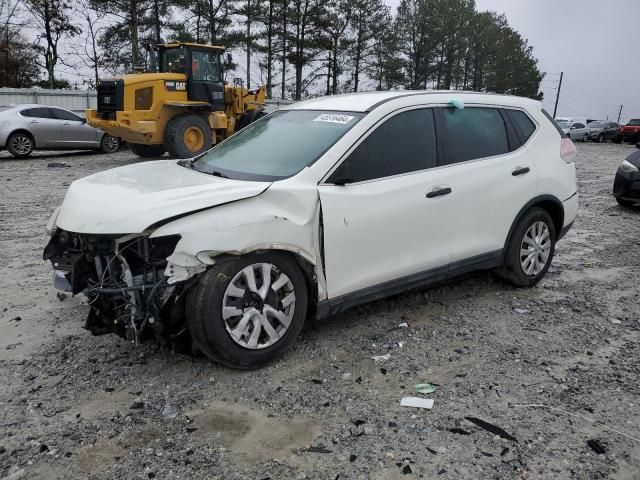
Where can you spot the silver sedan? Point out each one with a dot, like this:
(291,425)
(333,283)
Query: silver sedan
(25,128)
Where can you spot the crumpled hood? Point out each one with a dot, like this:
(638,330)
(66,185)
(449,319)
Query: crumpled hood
(132,198)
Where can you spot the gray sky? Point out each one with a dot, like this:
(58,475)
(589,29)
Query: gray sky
(595,42)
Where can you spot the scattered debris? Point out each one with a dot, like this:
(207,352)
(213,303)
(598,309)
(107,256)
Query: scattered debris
(316,449)
(417,402)
(521,311)
(137,404)
(381,358)
(492,428)
(359,422)
(406,470)
(316,381)
(459,431)
(403,325)
(597,446)
(352,458)
(58,165)
(616,321)
(425,387)
(61,296)
(383,371)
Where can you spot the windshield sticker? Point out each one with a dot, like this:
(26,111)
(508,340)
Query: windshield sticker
(333,118)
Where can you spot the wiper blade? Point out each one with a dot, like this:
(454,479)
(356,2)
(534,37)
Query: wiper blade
(218,174)
(188,163)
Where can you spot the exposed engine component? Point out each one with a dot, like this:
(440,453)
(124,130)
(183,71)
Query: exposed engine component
(124,281)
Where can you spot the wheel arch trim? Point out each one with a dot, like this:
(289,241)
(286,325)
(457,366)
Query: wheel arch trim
(540,200)
(23,130)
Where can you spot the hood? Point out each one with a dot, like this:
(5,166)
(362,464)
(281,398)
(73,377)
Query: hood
(634,159)
(130,199)
(630,128)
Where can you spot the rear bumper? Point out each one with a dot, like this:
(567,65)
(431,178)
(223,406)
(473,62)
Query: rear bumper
(626,186)
(124,126)
(570,206)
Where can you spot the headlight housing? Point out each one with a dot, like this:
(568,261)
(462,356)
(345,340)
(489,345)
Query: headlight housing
(628,167)
(51,223)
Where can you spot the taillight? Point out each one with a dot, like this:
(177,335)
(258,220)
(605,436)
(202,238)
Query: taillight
(568,150)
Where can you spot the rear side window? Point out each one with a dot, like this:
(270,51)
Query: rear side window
(404,143)
(522,123)
(553,122)
(472,133)
(37,113)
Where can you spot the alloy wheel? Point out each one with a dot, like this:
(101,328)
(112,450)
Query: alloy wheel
(535,248)
(258,306)
(21,144)
(111,144)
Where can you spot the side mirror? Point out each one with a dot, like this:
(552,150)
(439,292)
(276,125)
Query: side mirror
(84,120)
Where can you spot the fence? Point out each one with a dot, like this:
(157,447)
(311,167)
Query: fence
(75,100)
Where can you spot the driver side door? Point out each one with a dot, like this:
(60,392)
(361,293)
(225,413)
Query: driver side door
(381,220)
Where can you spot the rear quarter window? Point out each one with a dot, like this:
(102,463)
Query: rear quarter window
(553,122)
(522,123)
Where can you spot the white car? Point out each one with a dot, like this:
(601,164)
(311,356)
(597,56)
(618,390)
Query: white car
(575,130)
(313,209)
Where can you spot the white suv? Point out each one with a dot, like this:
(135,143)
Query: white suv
(318,207)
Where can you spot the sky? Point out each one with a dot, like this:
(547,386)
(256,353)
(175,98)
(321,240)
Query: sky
(596,43)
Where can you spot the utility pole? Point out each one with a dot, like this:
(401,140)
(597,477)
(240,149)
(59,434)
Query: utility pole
(555,109)
(620,113)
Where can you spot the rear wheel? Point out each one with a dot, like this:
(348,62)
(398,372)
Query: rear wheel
(530,249)
(187,135)
(247,311)
(600,138)
(20,144)
(585,138)
(146,151)
(109,143)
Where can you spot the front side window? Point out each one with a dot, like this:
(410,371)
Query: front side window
(578,125)
(404,143)
(278,145)
(472,133)
(205,66)
(634,123)
(64,115)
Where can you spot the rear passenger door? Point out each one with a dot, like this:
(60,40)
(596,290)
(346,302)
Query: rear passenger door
(491,176)
(43,125)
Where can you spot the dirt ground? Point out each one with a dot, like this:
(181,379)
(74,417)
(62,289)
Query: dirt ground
(77,406)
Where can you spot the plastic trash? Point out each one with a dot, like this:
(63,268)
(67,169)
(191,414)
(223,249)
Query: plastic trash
(417,402)
(425,388)
(381,358)
(456,103)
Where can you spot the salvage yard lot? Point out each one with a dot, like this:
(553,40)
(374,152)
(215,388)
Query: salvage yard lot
(77,406)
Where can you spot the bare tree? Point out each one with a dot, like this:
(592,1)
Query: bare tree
(90,56)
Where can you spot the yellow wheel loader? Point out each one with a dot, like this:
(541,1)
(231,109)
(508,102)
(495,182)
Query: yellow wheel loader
(182,105)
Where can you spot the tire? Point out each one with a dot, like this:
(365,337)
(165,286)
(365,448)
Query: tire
(513,270)
(585,138)
(20,144)
(248,118)
(625,203)
(210,327)
(146,151)
(187,135)
(109,144)
(601,138)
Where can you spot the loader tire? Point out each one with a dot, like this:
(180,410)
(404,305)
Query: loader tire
(248,118)
(146,151)
(187,135)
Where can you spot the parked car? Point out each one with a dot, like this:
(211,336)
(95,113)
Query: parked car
(582,120)
(575,130)
(318,207)
(626,186)
(629,132)
(601,131)
(25,128)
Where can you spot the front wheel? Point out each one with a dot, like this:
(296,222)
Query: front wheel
(530,249)
(600,138)
(187,135)
(146,151)
(248,311)
(109,144)
(585,138)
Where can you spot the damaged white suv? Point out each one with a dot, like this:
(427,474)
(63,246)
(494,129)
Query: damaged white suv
(313,209)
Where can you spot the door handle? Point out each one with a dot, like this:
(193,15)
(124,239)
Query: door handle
(439,191)
(66,123)
(33,121)
(520,171)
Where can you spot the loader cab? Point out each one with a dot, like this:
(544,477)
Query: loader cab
(202,65)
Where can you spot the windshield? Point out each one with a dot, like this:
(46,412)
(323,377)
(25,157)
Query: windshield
(173,60)
(635,122)
(278,145)
(564,124)
(596,125)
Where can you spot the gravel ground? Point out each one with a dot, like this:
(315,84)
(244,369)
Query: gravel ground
(78,406)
